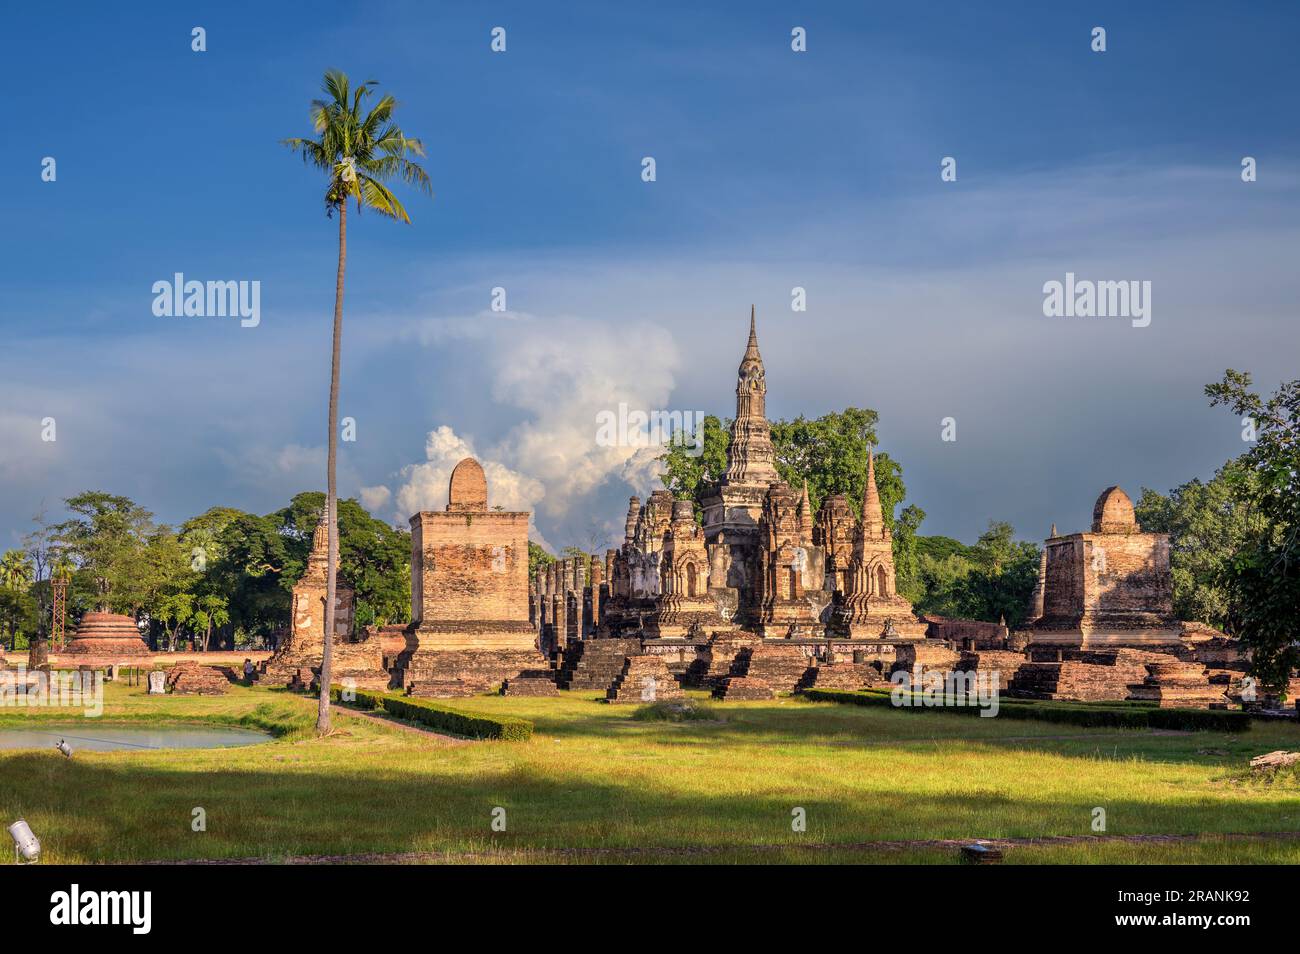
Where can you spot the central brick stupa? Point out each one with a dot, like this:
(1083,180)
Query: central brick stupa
(469,594)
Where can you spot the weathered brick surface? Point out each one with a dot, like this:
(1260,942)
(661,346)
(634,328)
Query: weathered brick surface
(644,679)
(1179,684)
(1110,587)
(469,575)
(467,671)
(1085,676)
(1004,662)
(743,688)
(533,682)
(781,667)
(297,659)
(104,638)
(192,679)
(841,675)
(596,664)
(469,595)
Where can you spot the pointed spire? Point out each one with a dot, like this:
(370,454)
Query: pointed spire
(872,522)
(805,510)
(1053,532)
(751,349)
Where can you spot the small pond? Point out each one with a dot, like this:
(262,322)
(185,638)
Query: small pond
(129,738)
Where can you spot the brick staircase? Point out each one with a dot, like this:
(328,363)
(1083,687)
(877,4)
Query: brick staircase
(644,679)
(841,675)
(761,671)
(1084,676)
(533,682)
(596,664)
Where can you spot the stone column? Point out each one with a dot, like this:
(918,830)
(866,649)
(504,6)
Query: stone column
(596,580)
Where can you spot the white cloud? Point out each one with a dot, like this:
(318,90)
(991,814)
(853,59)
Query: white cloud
(561,373)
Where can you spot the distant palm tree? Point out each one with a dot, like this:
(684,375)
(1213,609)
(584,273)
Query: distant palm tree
(359,153)
(15,570)
(16,575)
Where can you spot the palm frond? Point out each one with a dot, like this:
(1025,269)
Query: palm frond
(375,195)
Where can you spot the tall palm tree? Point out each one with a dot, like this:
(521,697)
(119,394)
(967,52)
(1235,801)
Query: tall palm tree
(358,152)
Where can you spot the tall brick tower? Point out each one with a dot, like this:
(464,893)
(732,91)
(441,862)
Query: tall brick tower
(734,507)
(749,458)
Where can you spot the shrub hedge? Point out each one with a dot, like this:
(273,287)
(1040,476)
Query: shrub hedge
(441,717)
(1111,715)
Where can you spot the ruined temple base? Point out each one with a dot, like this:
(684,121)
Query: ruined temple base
(1170,637)
(192,679)
(1083,676)
(359,665)
(1004,662)
(644,679)
(929,655)
(743,688)
(1179,685)
(842,675)
(596,664)
(719,655)
(466,672)
(533,682)
(780,666)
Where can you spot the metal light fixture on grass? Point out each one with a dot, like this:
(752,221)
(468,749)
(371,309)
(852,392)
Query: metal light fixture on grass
(27,847)
(62,746)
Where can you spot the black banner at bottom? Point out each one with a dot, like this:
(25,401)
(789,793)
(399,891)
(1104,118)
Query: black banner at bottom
(139,903)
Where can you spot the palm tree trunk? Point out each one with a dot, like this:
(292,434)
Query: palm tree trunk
(331,490)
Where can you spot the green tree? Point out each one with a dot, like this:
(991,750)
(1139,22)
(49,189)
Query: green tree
(374,558)
(360,152)
(1262,583)
(990,580)
(108,538)
(211,611)
(17,606)
(687,475)
(537,557)
(1208,525)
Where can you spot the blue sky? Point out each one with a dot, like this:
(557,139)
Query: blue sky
(775,169)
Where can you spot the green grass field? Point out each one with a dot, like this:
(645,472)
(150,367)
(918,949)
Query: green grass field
(596,785)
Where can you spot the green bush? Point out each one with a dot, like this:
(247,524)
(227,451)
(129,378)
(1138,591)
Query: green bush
(1119,715)
(441,717)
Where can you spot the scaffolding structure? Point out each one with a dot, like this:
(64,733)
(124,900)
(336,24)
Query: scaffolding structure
(58,611)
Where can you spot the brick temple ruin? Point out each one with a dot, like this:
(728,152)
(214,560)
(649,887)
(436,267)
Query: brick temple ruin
(768,596)
(763,596)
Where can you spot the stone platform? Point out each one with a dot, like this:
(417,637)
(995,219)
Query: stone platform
(464,672)
(533,682)
(193,679)
(1184,685)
